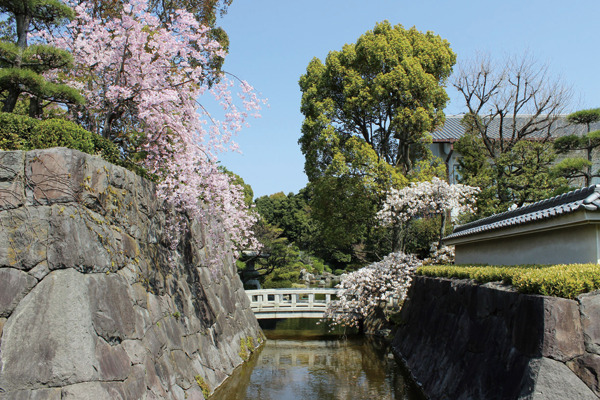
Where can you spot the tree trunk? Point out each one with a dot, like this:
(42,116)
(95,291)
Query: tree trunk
(23,22)
(588,170)
(397,242)
(35,107)
(442,229)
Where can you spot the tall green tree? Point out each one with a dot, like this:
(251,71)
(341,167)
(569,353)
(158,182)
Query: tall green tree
(579,167)
(22,66)
(367,112)
(387,89)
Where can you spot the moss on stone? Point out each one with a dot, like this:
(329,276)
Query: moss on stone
(203,386)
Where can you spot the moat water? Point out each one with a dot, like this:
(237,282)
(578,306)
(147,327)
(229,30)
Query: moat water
(300,361)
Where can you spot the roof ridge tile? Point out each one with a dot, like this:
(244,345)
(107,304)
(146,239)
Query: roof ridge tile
(588,197)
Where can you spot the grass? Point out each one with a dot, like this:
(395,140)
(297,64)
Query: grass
(568,281)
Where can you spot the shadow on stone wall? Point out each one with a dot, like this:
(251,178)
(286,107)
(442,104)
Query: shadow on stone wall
(93,304)
(466,341)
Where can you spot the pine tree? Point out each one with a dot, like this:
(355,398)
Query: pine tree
(23,66)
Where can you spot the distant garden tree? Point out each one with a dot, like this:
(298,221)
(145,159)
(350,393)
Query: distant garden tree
(291,213)
(512,108)
(579,167)
(367,110)
(24,66)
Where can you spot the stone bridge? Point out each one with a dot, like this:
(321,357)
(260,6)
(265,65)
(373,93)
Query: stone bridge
(290,303)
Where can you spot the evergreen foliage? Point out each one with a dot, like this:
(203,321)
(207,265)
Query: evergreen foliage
(521,174)
(23,66)
(20,132)
(579,167)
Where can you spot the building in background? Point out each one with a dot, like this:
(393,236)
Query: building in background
(444,138)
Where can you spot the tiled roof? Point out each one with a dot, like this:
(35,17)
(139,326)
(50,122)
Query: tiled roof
(586,198)
(453,130)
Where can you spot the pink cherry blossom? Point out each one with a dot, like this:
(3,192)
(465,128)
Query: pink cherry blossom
(153,79)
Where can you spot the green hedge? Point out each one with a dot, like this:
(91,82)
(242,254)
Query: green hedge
(20,132)
(568,281)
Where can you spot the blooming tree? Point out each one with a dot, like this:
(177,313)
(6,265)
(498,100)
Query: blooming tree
(143,81)
(443,255)
(363,291)
(435,197)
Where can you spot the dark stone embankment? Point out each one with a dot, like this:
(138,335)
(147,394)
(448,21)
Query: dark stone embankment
(461,340)
(91,306)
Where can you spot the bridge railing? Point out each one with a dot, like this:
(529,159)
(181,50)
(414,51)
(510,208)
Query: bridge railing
(290,300)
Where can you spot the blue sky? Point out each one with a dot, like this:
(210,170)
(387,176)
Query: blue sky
(272,42)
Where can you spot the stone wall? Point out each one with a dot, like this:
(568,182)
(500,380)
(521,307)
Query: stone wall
(466,341)
(93,305)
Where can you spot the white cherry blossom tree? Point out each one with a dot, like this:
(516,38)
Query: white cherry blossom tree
(369,289)
(429,198)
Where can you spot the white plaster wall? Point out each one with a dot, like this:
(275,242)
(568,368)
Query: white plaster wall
(576,244)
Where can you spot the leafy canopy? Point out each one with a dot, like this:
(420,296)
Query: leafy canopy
(367,112)
(386,89)
(522,173)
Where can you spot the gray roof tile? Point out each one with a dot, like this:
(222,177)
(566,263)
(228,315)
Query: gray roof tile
(453,130)
(586,198)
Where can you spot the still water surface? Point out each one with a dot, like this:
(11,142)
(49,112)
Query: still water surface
(302,364)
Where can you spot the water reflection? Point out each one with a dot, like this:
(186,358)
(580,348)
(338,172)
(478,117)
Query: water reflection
(324,369)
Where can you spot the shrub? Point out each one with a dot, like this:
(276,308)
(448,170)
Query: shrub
(20,132)
(61,133)
(568,281)
(15,131)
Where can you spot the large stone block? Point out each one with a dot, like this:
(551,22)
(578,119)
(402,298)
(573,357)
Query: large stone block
(14,285)
(586,368)
(563,334)
(81,239)
(24,237)
(590,321)
(54,175)
(552,380)
(12,188)
(11,165)
(112,311)
(113,362)
(49,338)
(12,194)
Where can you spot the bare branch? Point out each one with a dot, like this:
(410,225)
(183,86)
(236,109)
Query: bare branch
(515,99)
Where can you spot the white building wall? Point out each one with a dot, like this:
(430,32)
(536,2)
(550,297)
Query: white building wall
(575,244)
